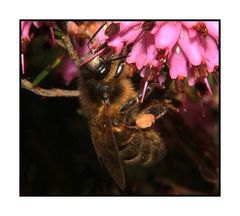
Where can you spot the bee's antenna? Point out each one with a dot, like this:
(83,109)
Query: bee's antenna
(94,35)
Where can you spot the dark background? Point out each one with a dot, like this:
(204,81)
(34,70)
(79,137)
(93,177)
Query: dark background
(57,157)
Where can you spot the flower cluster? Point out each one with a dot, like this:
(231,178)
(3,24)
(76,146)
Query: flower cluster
(26,36)
(184,52)
(189,48)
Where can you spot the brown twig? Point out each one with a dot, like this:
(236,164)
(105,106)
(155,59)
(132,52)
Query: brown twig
(48,92)
(71,50)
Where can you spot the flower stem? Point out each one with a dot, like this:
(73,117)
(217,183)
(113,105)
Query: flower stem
(46,71)
(48,92)
(208,86)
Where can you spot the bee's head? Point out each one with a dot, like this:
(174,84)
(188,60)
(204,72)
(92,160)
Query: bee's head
(101,75)
(97,69)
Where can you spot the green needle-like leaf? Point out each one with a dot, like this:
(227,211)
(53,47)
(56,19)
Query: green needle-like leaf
(46,71)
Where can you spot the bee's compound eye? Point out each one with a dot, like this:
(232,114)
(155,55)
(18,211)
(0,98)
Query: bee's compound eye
(97,68)
(103,71)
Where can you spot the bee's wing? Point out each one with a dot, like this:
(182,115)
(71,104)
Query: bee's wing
(106,147)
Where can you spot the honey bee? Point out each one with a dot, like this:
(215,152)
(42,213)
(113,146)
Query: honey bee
(114,110)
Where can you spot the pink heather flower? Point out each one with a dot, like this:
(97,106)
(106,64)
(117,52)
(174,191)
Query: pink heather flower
(25,36)
(213,29)
(126,37)
(128,33)
(144,51)
(189,26)
(81,50)
(192,47)
(211,53)
(188,48)
(125,26)
(191,78)
(178,64)
(167,35)
(68,70)
(101,37)
(161,78)
(156,27)
(38,24)
(25,29)
(202,54)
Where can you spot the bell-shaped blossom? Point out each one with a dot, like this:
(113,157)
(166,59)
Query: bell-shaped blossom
(124,38)
(167,35)
(38,24)
(192,47)
(26,26)
(161,78)
(213,29)
(191,77)
(125,26)
(178,64)
(143,52)
(161,50)
(211,53)
(156,27)
(25,29)
(68,70)
(25,36)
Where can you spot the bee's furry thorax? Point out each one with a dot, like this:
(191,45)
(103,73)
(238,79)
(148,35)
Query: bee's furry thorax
(91,94)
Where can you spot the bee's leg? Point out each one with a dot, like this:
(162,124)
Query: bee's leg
(121,64)
(106,96)
(145,148)
(120,68)
(158,108)
(135,100)
(129,104)
(149,90)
